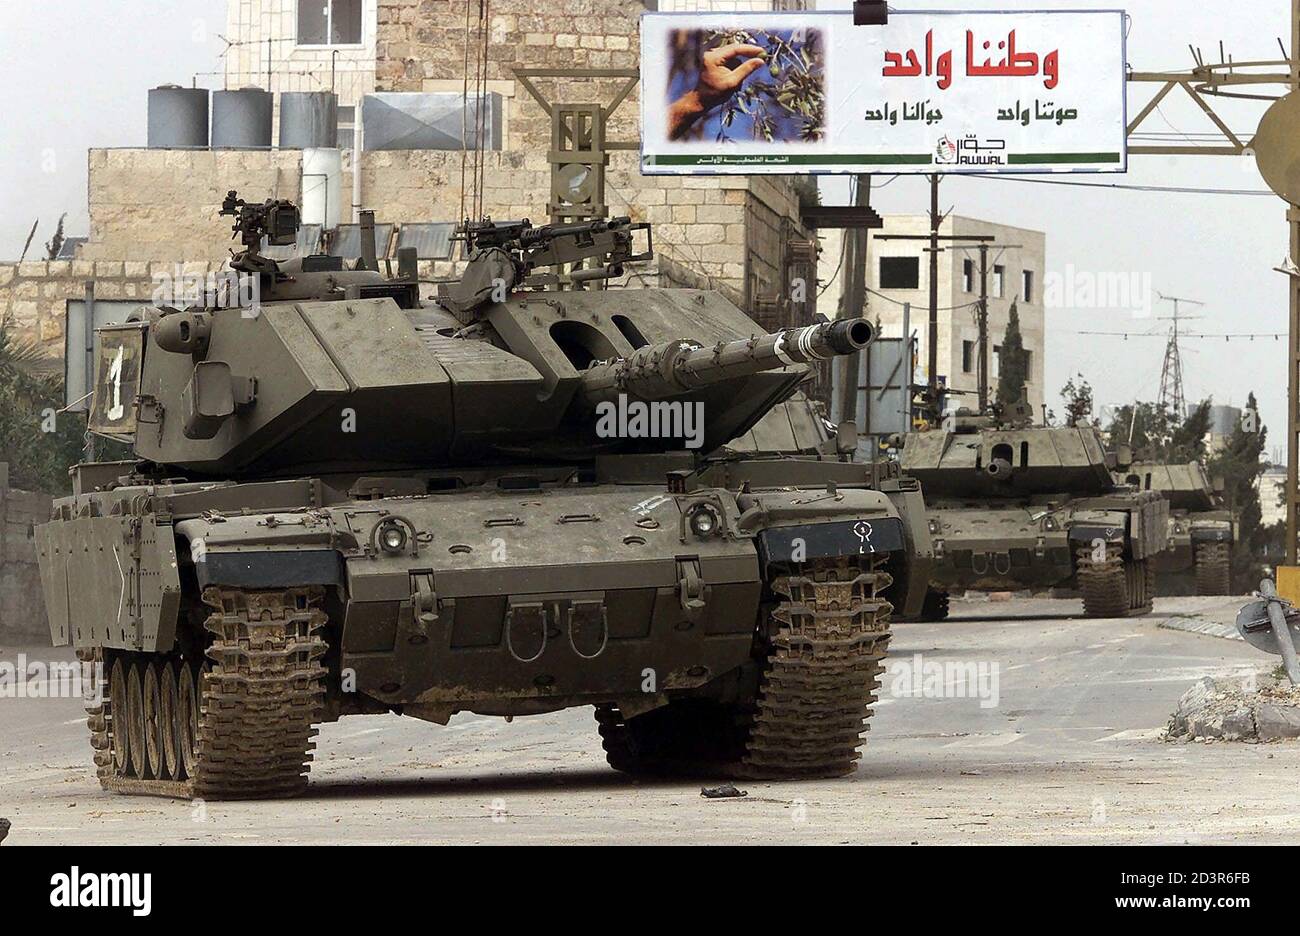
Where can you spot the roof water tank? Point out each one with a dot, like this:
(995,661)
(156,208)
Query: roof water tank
(241,119)
(309,119)
(178,117)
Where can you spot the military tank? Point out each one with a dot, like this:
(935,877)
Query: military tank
(512,500)
(1016,506)
(1201,530)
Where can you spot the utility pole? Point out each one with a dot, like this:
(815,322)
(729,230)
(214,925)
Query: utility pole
(932,359)
(1171,373)
(854,298)
(1293,338)
(983,366)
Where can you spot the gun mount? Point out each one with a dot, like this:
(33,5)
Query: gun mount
(505,255)
(276,221)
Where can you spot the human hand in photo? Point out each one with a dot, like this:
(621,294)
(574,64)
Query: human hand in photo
(717,82)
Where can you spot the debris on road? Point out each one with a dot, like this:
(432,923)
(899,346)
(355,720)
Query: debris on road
(5,825)
(1233,710)
(726,791)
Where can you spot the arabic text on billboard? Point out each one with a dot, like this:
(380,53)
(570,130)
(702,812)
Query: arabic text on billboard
(929,92)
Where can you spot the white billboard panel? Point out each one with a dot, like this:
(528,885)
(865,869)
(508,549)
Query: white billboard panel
(738,93)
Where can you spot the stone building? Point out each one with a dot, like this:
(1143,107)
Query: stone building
(152,209)
(899,270)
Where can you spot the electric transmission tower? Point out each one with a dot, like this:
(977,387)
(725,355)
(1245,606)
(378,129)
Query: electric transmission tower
(1171,374)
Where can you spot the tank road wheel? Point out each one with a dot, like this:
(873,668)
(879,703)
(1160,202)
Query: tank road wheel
(821,674)
(186,725)
(263,695)
(1114,587)
(134,722)
(1213,569)
(239,728)
(935,607)
(168,720)
(153,726)
(116,721)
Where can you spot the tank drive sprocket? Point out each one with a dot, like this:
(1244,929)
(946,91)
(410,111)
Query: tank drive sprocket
(236,725)
(1213,569)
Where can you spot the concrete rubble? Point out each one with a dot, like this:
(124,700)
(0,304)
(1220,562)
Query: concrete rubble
(1235,710)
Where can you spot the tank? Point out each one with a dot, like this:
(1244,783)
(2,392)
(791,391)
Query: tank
(514,499)
(178,117)
(1015,506)
(1202,530)
(241,119)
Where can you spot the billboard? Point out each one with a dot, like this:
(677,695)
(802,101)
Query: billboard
(740,93)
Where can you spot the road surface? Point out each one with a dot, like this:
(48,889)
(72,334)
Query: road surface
(1047,732)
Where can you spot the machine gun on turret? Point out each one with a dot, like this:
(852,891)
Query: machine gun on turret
(505,255)
(276,221)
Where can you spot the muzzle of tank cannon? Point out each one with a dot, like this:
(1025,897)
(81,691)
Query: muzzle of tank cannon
(672,368)
(999,468)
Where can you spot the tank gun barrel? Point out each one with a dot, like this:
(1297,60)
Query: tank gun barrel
(675,367)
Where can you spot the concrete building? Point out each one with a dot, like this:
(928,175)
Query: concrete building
(898,273)
(152,209)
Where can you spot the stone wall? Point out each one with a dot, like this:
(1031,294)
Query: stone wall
(22,606)
(154,204)
(34,295)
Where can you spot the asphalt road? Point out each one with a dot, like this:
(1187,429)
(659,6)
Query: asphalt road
(1046,732)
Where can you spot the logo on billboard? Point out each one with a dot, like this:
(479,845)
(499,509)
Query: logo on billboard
(970,150)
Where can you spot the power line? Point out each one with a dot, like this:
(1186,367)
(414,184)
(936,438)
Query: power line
(1178,189)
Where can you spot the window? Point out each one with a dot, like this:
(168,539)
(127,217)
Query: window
(1029,366)
(1027,285)
(997,361)
(967,357)
(329,22)
(968,276)
(900,273)
(999,281)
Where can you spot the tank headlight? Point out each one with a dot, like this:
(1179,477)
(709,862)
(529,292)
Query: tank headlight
(1050,524)
(934,525)
(392,537)
(704,520)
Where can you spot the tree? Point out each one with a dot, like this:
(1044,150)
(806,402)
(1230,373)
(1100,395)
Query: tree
(1078,402)
(1013,363)
(1240,466)
(38,442)
(55,243)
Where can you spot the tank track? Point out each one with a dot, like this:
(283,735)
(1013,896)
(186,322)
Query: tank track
(819,682)
(822,673)
(238,725)
(1213,569)
(1113,587)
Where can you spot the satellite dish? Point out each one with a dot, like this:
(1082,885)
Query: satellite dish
(1277,147)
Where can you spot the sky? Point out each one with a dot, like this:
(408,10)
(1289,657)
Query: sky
(76,74)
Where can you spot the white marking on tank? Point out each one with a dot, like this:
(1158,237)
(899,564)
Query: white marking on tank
(650,503)
(121,597)
(779,350)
